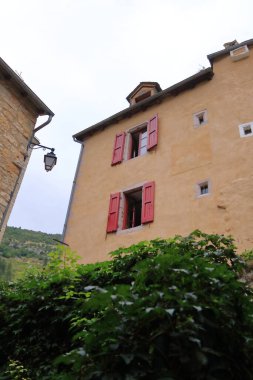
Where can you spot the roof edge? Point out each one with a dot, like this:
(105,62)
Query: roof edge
(188,83)
(220,53)
(41,107)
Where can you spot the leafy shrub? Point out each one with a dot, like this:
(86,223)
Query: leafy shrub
(247,255)
(164,309)
(17,371)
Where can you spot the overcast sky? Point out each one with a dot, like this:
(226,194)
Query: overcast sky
(83,57)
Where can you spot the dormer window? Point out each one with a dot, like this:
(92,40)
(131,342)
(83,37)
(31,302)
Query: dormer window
(143,91)
(143,96)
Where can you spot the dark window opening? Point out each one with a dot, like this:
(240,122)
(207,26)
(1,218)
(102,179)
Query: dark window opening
(201,118)
(133,206)
(146,94)
(247,130)
(139,143)
(203,188)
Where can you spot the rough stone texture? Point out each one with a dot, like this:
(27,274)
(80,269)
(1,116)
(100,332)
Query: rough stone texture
(17,121)
(185,156)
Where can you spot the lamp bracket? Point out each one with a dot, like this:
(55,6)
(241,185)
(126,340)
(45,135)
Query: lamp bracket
(32,146)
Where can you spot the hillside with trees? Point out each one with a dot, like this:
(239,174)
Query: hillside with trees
(21,248)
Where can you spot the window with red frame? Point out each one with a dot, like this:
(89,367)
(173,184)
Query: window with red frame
(133,208)
(138,205)
(142,139)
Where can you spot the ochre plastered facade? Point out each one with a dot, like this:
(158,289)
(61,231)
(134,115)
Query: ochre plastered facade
(185,156)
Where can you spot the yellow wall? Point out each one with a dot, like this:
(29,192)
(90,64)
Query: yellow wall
(184,156)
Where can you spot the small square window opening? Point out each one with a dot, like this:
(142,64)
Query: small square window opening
(133,209)
(139,141)
(246,130)
(203,188)
(200,118)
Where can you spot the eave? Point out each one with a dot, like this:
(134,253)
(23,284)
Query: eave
(223,52)
(174,90)
(23,90)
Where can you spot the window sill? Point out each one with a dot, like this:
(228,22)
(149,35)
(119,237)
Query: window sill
(130,230)
(203,195)
(134,158)
(200,125)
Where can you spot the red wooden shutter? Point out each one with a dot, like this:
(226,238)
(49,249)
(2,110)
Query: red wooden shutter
(118,149)
(112,223)
(147,212)
(152,132)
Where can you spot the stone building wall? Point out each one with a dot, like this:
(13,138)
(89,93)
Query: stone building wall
(17,121)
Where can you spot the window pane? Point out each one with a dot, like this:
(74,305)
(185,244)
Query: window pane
(143,142)
(143,150)
(144,134)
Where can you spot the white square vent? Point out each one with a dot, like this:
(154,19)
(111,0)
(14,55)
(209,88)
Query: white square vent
(239,53)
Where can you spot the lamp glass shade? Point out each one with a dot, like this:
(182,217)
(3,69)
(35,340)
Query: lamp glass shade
(50,161)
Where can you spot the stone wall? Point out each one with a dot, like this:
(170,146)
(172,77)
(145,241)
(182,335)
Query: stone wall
(17,121)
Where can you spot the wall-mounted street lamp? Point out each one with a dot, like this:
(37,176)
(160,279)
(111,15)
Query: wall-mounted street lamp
(50,158)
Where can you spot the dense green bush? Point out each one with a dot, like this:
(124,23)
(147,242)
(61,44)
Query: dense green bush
(164,309)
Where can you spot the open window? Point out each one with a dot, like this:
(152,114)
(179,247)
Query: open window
(137,207)
(132,210)
(140,139)
(138,143)
(143,138)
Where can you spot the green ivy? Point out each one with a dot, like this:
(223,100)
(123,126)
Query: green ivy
(170,309)
(247,255)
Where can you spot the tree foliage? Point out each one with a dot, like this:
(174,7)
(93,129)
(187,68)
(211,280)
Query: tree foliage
(163,309)
(18,242)
(22,248)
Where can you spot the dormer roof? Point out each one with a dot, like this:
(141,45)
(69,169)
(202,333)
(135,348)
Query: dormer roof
(143,91)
